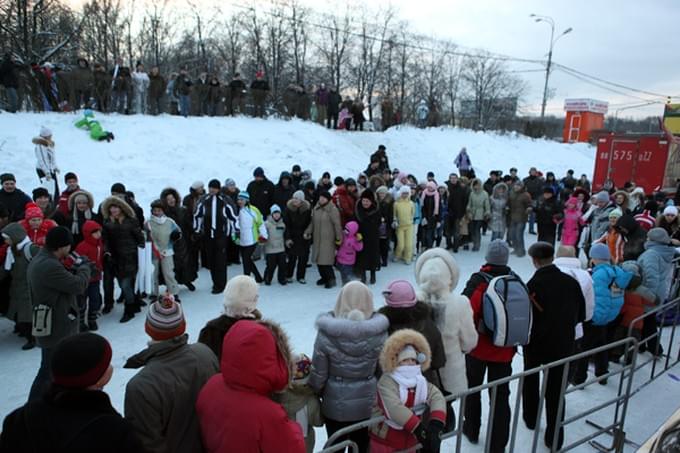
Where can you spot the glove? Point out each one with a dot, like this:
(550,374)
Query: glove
(175,235)
(289,243)
(395,225)
(262,239)
(360,237)
(424,222)
(421,434)
(434,431)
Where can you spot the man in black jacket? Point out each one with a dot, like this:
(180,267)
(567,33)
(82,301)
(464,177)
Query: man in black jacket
(558,305)
(12,198)
(8,79)
(333,108)
(237,90)
(534,185)
(548,212)
(261,191)
(283,191)
(458,199)
(215,220)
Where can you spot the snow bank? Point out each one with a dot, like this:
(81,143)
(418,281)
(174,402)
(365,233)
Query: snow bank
(150,153)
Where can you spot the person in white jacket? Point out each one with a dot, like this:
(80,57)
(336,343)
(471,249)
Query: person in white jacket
(252,230)
(437,275)
(46,162)
(140,84)
(567,262)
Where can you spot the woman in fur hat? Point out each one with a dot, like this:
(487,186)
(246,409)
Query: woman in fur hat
(240,302)
(122,237)
(367,213)
(345,360)
(437,275)
(80,205)
(401,389)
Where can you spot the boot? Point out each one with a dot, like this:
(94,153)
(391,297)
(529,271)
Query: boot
(30,344)
(191,286)
(330,284)
(320,282)
(372,277)
(83,327)
(128,315)
(107,309)
(92,325)
(363,277)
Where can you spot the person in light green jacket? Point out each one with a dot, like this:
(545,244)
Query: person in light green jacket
(478,210)
(97,132)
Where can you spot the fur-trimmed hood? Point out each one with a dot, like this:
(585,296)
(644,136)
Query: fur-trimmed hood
(437,274)
(72,199)
(399,316)
(170,191)
(15,232)
(304,207)
(626,197)
(256,357)
(396,342)
(350,335)
(375,181)
(122,204)
(43,141)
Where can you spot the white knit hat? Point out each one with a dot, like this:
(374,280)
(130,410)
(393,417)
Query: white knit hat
(670,210)
(45,132)
(240,297)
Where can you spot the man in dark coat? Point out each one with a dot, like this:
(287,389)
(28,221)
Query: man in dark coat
(157,86)
(75,416)
(283,191)
(237,89)
(12,198)
(82,80)
(333,108)
(297,217)
(261,191)
(534,186)
(214,231)
(8,79)
(102,87)
(259,89)
(458,199)
(634,237)
(381,155)
(548,212)
(558,306)
(53,291)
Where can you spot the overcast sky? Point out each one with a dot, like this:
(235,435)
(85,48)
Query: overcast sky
(631,42)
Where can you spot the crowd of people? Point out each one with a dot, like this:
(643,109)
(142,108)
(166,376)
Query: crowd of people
(120,89)
(241,387)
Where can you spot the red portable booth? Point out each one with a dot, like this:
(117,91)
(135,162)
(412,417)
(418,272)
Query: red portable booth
(583,116)
(652,161)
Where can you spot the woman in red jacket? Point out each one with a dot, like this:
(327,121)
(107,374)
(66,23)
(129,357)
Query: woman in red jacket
(92,247)
(234,407)
(36,225)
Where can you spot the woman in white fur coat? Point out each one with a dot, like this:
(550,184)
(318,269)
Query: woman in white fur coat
(437,276)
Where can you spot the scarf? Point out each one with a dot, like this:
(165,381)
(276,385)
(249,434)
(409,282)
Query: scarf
(75,226)
(159,220)
(435,194)
(10,259)
(408,377)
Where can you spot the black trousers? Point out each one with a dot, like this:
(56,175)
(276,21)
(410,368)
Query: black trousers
(276,260)
(593,337)
(547,232)
(475,370)
(249,266)
(232,252)
(326,273)
(216,251)
(531,394)
(301,261)
(649,328)
(360,437)
(332,120)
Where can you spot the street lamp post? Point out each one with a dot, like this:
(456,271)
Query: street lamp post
(548,20)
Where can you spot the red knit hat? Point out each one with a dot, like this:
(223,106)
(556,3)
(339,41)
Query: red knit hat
(79,361)
(32,211)
(165,319)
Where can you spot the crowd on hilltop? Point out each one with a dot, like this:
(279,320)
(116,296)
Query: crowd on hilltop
(120,89)
(241,388)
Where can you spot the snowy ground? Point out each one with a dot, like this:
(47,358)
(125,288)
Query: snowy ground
(152,153)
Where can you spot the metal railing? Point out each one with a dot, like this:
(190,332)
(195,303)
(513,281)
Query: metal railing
(625,373)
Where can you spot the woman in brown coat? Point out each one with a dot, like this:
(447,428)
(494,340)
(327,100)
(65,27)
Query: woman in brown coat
(326,233)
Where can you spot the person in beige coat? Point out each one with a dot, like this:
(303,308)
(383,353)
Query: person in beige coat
(325,231)
(437,275)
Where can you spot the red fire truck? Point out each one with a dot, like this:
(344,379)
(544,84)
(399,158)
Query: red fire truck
(651,160)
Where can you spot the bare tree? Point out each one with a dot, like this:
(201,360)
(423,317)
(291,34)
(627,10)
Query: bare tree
(300,39)
(230,43)
(156,33)
(333,44)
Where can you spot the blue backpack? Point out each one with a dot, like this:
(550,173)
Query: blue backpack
(506,310)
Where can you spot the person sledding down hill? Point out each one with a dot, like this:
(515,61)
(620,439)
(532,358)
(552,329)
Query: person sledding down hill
(96,131)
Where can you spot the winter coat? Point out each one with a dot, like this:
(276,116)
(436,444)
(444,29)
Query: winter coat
(182,86)
(20,308)
(276,231)
(212,334)
(38,236)
(297,219)
(46,161)
(419,318)
(498,205)
(404,211)
(656,264)
(157,86)
(474,290)
(251,226)
(478,207)
(369,227)
(462,161)
(8,77)
(234,407)
(15,203)
(572,266)
(344,365)
(62,204)
(333,102)
(102,85)
(571,226)
(92,249)
(50,284)
(321,96)
(238,88)
(534,186)
(558,306)
(634,238)
(351,244)
(299,397)
(599,221)
(76,219)
(122,237)
(172,367)
(223,224)
(345,202)
(386,216)
(262,195)
(325,229)
(458,200)
(437,276)
(389,402)
(161,230)
(69,421)
(672,228)
(283,193)
(609,283)
(548,212)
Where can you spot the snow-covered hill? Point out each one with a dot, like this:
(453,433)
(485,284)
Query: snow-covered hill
(150,153)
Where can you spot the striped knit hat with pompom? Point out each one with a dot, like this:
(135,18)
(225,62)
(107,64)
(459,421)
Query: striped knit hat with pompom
(165,319)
